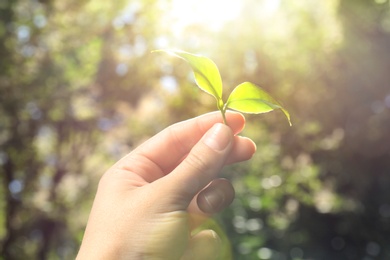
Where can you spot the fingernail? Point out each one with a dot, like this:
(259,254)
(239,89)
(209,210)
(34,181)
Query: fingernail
(214,199)
(218,137)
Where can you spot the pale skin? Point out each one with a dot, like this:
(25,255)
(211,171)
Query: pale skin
(148,203)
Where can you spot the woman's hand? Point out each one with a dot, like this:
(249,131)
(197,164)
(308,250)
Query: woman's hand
(149,201)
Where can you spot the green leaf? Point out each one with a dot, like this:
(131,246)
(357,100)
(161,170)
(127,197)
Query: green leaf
(206,73)
(250,98)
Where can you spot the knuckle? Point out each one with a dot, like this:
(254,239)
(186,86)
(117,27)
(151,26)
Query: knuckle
(198,162)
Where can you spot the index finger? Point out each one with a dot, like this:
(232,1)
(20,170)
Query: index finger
(163,152)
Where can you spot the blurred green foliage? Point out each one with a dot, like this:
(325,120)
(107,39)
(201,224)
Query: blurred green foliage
(79,88)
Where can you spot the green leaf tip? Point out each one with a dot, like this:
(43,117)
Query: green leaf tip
(246,97)
(206,73)
(250,98)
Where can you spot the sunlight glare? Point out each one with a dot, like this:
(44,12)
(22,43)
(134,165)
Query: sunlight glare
(213,13)
(270,7)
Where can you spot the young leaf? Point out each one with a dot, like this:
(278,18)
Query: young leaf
(250,98)
(206,73)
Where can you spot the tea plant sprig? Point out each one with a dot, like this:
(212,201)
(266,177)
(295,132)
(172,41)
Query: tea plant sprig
(246,97)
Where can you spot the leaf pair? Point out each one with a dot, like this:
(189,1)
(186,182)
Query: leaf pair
(246,97)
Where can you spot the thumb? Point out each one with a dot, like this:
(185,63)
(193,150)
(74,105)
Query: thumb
(200,166)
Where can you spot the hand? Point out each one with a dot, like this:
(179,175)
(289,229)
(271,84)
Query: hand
(149,201)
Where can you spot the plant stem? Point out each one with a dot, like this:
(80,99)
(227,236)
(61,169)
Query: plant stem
(223,112)
(223,117)
(222,107)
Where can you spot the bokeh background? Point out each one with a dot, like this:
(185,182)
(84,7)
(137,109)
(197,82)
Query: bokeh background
(80,88)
